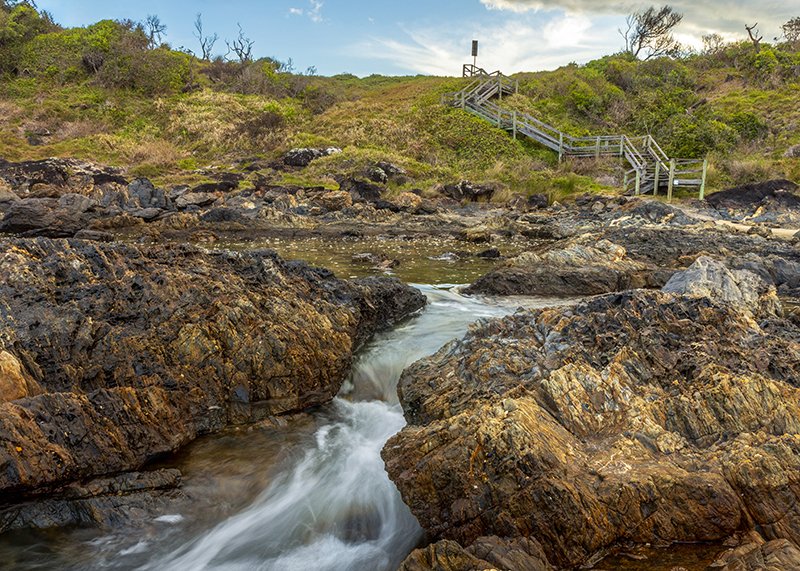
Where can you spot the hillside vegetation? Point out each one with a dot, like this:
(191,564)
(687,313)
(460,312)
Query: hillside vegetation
(108,93)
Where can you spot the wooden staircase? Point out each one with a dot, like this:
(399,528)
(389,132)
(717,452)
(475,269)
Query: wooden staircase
(651,169)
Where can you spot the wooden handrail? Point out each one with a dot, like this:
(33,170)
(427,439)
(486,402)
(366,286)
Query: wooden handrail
(651,165)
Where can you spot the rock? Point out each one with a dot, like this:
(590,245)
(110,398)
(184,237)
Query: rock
(760,231)
(775,555)
(654,212)
(362,191)
(143,195)
(538,201)
(392,170)
(218,215)
(304,157)
(189,199)
(490,254)
(579,267)
(225,185)
(712,279)
(408,201)
(466,190)
(104,502)
(42,217)
(476,235)
(792,152)
(335,200)
(6,195)
(95,235)
(57,173)
(147,214)
(139,350)
(377,174)
(641,417)
(486,553)
(14,383)
(750,196)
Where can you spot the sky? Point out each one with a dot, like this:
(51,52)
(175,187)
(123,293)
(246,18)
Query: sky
(426,36)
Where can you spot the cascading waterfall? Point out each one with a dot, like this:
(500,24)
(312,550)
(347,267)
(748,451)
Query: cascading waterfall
(322,499)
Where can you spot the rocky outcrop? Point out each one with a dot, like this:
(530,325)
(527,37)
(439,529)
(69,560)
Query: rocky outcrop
(579,267)
(113,354)
(466,190)
(775,203)
(641,417)
(486,553)
(304,157)
(758,555)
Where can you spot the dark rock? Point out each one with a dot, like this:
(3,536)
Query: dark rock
(362,191)
(105,502)
(377,174)
(539,201)
(123,353)
(95,235)
(58,173)
(189,199)
(465,190)
(751,195)
(147,214)
(391,170)
(490,254)
(304,157)
(216,215)
(41,217)
(220,186)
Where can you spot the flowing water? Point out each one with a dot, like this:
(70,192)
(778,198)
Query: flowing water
(315,496)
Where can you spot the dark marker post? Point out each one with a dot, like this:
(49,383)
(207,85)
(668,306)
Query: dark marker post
(475,52)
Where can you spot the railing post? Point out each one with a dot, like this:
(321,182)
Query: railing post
(597,149)
(560,146)
(500,88)
(625,182)
(671,179)
(655,181)
(703,180)
(514,124)
(638,181)
(463,100)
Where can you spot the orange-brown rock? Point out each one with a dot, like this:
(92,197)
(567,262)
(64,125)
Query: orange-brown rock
(643,417)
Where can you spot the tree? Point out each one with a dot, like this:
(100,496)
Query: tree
(242,46)
(154,30)
(649,32)
(752,31)
(791,31)
(206,42)
(713,44)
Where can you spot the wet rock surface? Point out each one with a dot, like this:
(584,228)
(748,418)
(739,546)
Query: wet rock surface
(641,417)
(113,354)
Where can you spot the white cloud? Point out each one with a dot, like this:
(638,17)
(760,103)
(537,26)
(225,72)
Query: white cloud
(313,12)
(511,46)
(701,16)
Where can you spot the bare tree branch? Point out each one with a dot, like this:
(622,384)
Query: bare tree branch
(242,46)
(752,31)
(206,42)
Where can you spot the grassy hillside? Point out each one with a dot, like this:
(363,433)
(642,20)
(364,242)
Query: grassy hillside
(103,93)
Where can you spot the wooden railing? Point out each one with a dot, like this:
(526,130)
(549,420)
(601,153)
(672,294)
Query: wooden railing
(652,169)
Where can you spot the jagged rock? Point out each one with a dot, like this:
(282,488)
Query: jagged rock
(217,215)
(538,201)
(143,195)
(466,190)
(362,191)
(190,199)
(95,235)
(637,417)
(377,174)
(43,217)
(408,201)
(712,279)
(490,254)
(139,350)
(59,173)
(304,157)
(335,200)
(486,553)
(581,267)
(147,214)
(778,555)
(104,502)
(6,194)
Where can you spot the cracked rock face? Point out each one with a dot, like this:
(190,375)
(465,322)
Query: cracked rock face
(111,354)
(644,417)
